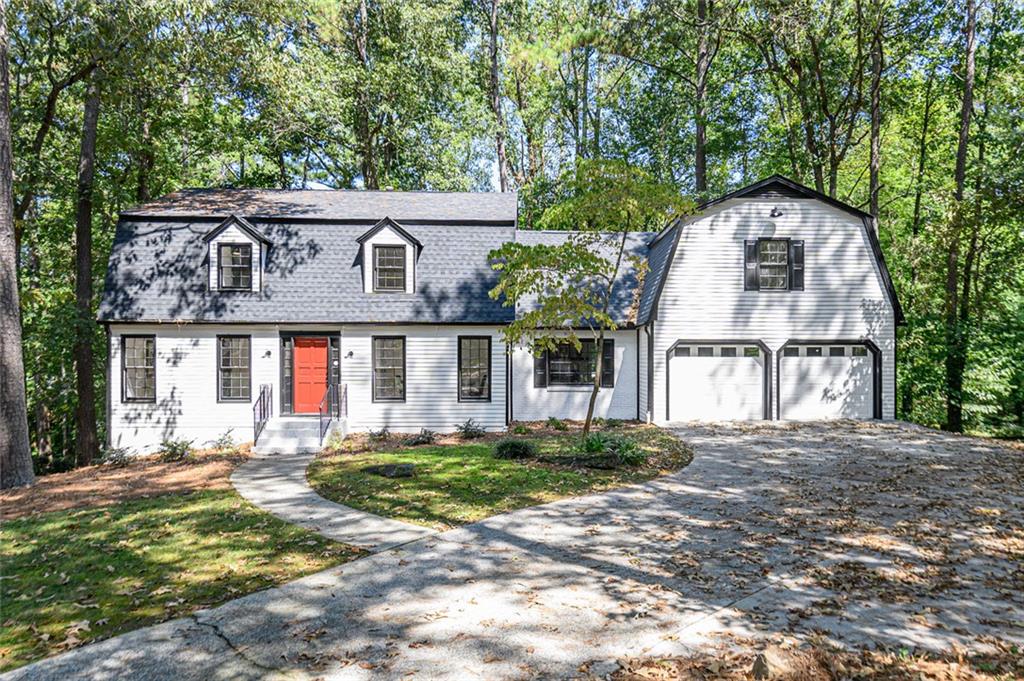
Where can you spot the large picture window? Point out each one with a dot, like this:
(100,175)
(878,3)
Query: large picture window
(234,374)
(474,368)
(567,366)
(235,266)
(389,268)
(388,368)
(138,368)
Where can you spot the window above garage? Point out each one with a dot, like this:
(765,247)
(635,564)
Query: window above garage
(773,265)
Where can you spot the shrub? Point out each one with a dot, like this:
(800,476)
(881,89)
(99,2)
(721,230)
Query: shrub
(424,437)
(594,443)
(627,451)
(116,456)
(520,429)
(510,448)
(175,450)
(612,423)
(379,435)
(610,451)
(224,442)
(470,430)
(557,424)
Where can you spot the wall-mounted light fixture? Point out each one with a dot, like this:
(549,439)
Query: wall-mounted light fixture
(350,354)
(776,213)
(266,354)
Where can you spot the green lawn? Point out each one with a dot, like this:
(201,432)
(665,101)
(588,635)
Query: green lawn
(458,483)
(73,576)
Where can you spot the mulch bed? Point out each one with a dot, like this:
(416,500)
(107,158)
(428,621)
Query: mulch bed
(102,485)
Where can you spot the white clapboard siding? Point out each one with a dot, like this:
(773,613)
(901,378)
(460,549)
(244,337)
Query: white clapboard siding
(233,235)
(642,376)
(431,361)
(186,403)
(563,402)
(843,297)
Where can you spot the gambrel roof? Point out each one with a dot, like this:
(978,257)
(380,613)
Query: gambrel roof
(663,247)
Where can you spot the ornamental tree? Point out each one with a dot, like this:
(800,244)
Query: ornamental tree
(565,290)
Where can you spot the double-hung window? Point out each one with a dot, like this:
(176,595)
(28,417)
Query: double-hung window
(773,265)
(234,374)
(388,368)
(474,368)
(235,267)
(138,368)
(389,268)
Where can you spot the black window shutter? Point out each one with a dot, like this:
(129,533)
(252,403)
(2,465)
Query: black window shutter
(750,278)
(540,370)
(796,265)
(608,364)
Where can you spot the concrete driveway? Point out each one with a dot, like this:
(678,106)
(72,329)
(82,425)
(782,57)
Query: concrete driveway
(871,534)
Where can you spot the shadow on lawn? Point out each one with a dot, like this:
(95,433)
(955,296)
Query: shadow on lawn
(871,534)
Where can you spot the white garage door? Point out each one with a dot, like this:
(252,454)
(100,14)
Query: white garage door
(826,382)
(716,383)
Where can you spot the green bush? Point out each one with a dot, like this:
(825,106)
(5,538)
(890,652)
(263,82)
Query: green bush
(613,423)
(557,424)
(224,442)
(510,448)
(610,450)
(116,457)
(424,437)
(379,435)
(175,450)
(520,429)
(470,430)
(594,443)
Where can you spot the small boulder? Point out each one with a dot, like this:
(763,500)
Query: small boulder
(392,470)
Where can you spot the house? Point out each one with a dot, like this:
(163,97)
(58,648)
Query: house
(249,310)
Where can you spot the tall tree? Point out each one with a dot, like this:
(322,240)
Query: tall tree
(15,456)
(956,341)
(87,441)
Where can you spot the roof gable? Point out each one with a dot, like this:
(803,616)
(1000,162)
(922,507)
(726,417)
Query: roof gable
(779,186)
(242,224)
(394,227)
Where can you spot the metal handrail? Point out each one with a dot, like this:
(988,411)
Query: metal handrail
(328,406)
(262,410)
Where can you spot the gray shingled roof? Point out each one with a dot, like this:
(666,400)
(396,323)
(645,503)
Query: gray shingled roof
(356,205)
(158,272)
(623,297)
(658,258)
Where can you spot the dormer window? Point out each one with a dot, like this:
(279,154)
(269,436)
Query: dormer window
(235,267)
(236,255)
(389,268)
(388,255)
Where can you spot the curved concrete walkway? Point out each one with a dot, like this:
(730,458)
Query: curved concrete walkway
(277,484)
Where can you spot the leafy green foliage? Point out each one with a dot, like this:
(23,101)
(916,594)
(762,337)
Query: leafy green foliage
(382,435)
(512,448)
(176,449)
(470,430)
(520,429)
(556,424)
(424,437)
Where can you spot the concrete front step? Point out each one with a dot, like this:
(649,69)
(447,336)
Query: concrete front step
(289,436)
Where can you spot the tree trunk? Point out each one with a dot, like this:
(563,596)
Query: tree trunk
(495,92)
(15,455)
(877,64)
(956,343)
(363,127)
(146,158)
(86,440)
(700,165)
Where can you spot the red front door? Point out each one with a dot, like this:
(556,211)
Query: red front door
(310,374)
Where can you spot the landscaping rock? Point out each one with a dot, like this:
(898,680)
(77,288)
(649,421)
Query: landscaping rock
(392,470)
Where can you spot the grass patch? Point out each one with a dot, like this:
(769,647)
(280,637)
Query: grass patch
(70,577)
(461,482)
